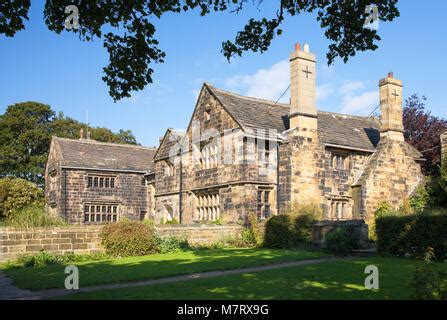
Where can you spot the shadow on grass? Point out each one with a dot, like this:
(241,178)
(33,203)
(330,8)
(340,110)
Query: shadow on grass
(342,279)
(153,266)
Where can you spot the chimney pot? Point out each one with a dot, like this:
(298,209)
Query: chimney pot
(390,74)
(297,47)
(306,48)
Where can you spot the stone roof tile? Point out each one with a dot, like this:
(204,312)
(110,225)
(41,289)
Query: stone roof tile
(334,128)
(92,154)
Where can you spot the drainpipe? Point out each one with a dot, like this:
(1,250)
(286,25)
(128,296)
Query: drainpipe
(181,187)
(277,178)
(65,194)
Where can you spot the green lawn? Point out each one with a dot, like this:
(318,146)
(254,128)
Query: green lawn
(152,266)
(342,279)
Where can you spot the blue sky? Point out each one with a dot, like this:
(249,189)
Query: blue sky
(60,70)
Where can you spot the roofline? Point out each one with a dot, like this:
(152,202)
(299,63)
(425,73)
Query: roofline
(348,148)
(373,118)
(267,101)
(272,103)
(102,169)
(91,141)
(163,140)
(210,89)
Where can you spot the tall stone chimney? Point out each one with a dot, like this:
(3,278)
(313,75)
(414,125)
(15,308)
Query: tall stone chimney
(391,108)
(303,110)
(444,144)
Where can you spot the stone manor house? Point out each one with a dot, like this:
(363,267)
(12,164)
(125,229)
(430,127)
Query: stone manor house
(243,155)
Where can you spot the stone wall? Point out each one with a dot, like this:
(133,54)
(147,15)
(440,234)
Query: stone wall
(200,234)
(300,168)
(321,228)
(58,240)
(86,240)
(392,175)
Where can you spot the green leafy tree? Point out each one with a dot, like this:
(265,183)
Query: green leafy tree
(16,194)
(423,131)
(429,283)
(132,46)
(25,135)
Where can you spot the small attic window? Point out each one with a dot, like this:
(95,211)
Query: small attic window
(340,161)
(207,114)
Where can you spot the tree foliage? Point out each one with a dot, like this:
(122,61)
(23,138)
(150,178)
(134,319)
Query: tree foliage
(132,46)
(423,131)
(25,135)
(16,194)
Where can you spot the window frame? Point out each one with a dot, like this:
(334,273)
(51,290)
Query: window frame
(98,181)
(101,213)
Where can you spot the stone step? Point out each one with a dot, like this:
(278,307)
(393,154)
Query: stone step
(367,252)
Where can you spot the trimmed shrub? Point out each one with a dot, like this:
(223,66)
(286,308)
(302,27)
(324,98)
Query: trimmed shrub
(341,241)
(32,217)
(171,244)
(383,210)
(17,193)
(292,228)
(303,229)
(279,232)
(411,235)
(129,238)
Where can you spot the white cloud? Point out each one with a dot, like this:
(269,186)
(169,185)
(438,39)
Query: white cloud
(348,96)
(360,104)
(270,83)
(265,83)
(324,91)
(351,86)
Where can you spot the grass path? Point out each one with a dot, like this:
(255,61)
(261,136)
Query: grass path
(152,266)
(341,279)
(53,293)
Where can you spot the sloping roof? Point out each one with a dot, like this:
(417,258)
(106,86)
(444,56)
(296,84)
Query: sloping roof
(334,128)
(92,154)
(254,113)
(172,138)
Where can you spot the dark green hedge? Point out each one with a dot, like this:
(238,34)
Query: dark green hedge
(342,240)
(287,231)
(411,235)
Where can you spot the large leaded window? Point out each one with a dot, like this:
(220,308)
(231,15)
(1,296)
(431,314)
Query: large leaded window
(100,213)
(100,182)
(208,208)
(209,156)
